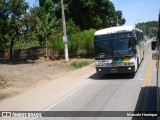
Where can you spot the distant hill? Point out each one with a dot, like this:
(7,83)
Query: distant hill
(150,28)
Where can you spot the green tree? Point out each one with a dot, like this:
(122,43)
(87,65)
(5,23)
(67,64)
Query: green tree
(91,14)
(117,18)
(4,16)
(56,41)
(16,9)
(28,36)
(149,28)
(48,6)
(81,43)
(36,14)
(42,3)
(47,27)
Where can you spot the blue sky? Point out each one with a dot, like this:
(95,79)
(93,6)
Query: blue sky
(134,11)
(32,2)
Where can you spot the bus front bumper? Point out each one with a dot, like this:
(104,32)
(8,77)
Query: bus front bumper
(119,69)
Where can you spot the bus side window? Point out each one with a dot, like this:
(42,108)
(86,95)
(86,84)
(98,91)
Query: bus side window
(137,36)
(141,37)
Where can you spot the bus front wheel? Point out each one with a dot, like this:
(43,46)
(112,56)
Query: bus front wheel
(136,66)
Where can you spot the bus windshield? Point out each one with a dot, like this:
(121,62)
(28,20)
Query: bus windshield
(121,47)
(103,49)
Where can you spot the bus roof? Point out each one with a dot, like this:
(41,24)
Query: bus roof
(116,29)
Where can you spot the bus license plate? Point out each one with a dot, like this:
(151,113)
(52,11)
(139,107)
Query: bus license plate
(113,70)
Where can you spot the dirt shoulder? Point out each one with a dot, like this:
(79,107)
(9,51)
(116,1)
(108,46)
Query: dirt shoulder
(44,94)
(18,78)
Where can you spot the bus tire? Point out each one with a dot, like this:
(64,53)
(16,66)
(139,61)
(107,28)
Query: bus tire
(138,63)
(136,66)
(143,55)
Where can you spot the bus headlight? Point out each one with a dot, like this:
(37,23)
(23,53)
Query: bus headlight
(125,64)
(129,63)
(98,62)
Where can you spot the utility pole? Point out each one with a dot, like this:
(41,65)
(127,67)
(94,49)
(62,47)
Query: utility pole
(117,21)
(64,33)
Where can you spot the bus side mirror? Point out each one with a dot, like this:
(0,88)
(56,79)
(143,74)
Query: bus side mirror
(136,42)
(153,45)
(135,51)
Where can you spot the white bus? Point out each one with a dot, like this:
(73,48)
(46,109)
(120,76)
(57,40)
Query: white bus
(118,49)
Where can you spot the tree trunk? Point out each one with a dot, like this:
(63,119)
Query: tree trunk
(46,48)
(11,48)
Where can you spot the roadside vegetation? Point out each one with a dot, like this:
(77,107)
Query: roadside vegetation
(3,96)
(81,63)
(22,77)
(3,84)
(149,28)
(24,26)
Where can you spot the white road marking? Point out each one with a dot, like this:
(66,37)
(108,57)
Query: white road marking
(87,82)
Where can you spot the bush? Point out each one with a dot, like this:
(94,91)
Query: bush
(3,96)
(79,64)
(82,43)
(57,45)
(56,41)
(3,82)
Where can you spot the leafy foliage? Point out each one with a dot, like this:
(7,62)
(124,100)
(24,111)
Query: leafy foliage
(3,82)
(150,28)
(12,12)
(23,27)
(56,40)
(92,14)
(80,64)
(3,22)
(3,96)
(82,43)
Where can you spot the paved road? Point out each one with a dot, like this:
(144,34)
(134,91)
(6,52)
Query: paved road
(84,90)
(120,92)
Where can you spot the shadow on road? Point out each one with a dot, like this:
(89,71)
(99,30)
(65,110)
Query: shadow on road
(154,56)
(124,76)
(147,102)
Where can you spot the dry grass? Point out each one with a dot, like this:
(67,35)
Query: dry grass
(21,77)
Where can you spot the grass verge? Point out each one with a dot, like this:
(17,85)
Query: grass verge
(3,82)
(3,96)
(82,63)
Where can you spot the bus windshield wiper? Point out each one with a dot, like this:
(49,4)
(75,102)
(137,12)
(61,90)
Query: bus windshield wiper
(117,54)
(102,55)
